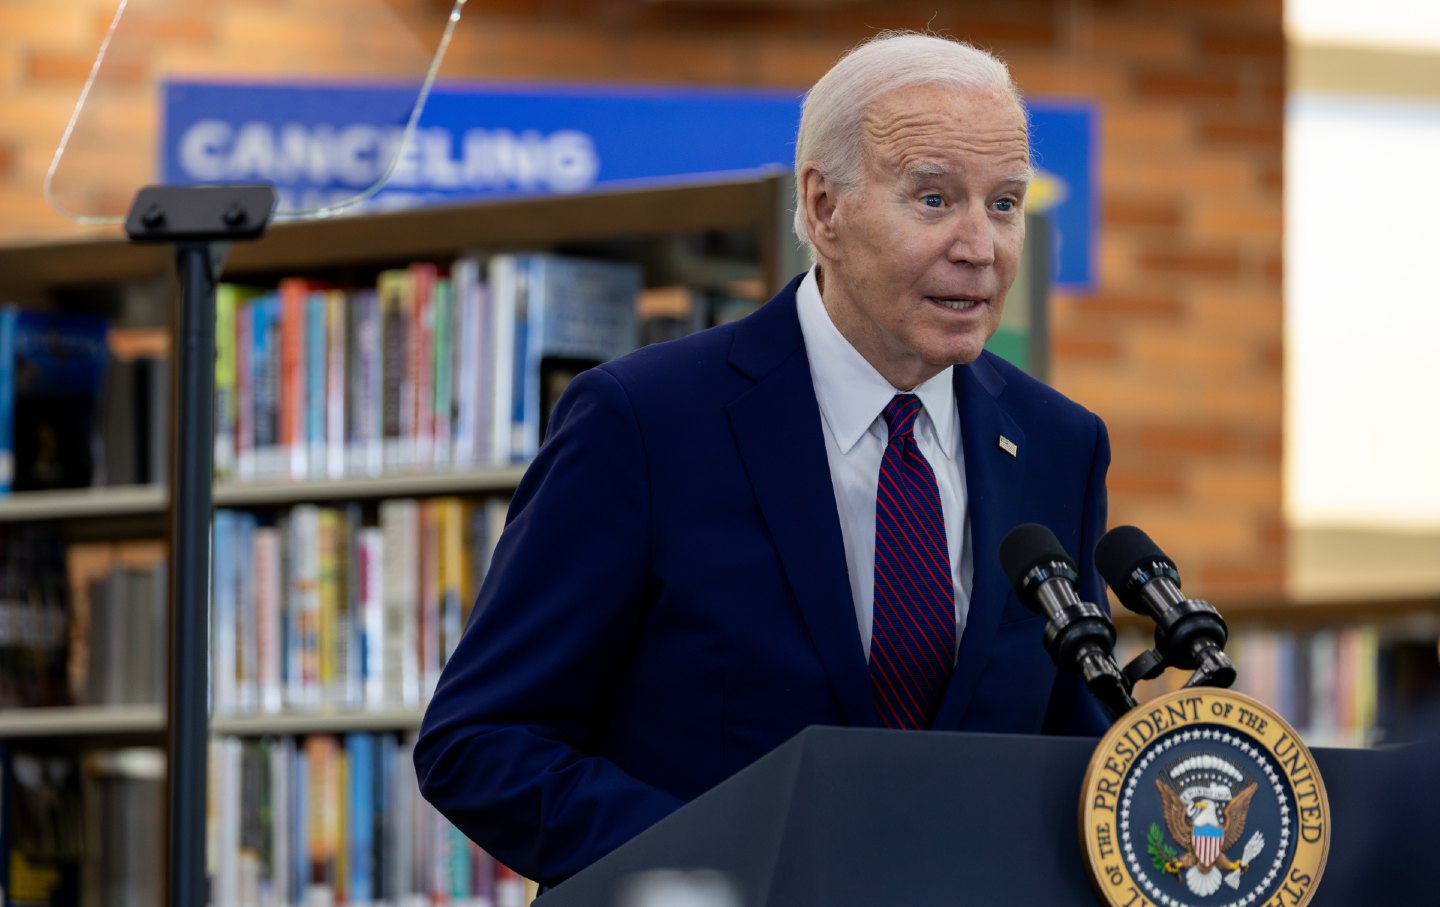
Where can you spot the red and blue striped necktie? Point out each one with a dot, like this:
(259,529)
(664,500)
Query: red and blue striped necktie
(912,639)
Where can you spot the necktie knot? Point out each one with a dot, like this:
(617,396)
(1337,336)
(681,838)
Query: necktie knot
(900,414)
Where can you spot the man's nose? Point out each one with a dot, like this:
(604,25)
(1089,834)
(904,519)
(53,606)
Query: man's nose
(973,239)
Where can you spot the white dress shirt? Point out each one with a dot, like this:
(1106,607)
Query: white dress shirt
(852,397)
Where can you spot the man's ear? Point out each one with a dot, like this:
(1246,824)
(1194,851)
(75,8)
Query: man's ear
(819,197)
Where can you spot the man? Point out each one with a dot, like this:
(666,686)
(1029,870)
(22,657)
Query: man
(791,520)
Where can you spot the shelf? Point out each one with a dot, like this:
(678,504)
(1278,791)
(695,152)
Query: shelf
(82,721)
(82,503)
(101,503)
(1301,615)
(399,485)
(755,201)
(322,722)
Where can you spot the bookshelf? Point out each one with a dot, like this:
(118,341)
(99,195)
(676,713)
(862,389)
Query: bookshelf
(730,230)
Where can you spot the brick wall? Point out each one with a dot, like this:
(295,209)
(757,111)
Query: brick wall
(1179,347)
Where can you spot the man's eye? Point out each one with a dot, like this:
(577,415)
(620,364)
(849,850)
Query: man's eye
(933,201)
(1005,205)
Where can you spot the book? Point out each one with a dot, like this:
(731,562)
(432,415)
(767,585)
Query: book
(578,313)
(229,300)
(124,826)
(35,616)
(474,391)
(400,525)
(365,397)
(47,839)
(397,408)
(52,368)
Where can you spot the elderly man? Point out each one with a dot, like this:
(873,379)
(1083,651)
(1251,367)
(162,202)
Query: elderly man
(791,520)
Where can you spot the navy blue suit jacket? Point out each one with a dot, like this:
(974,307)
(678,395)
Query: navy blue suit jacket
(669,600)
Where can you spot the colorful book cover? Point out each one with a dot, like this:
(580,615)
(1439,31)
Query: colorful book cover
(429,555)
(329,589)
(365,399)
(269,595)
(360,748)
(265,369)
(52,372)
(396,325)
(314,397)
(503,274)
(223,612)
(247,663)
(337,349)
(400,523)
(578,313)
(421,361)
(228,303)
(370,555)
(443,417)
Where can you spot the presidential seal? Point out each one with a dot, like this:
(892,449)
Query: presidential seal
(1204,798)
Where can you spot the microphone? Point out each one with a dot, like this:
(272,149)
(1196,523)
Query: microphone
(1189,633)
(1078,635)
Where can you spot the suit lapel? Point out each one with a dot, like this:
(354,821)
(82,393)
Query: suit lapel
(994,480)
(777,427)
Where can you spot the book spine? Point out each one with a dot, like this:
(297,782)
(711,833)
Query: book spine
(8,316)
(465,295)
(502,355)
(304,606)
(265,369)
(247,665)
(336,363)
(245,389)
(397,401)
(443,421)
(226,301)
(268,618)
(361,826)
(399,521)
(316,370)
(224,696)
(294,294)
(372,615)
(431,633)
(328,589)
(421,360)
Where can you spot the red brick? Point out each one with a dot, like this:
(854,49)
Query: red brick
(1139,212)
(1138,482)
(1268,134)
(1069,345)
(1186,86)
(1131,305)
(1267,576)
(140,28)
(1185,260)
(1259,43)
(74,68)
(1214,439)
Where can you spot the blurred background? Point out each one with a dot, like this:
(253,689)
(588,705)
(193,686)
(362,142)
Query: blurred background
(1253,312)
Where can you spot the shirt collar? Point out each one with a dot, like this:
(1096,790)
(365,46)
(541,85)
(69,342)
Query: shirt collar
(851,393)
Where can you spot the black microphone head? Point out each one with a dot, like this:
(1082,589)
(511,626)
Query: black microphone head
(1026,547)
(1125,549)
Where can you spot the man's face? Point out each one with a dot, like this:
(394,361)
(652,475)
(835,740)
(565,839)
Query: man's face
(916,260)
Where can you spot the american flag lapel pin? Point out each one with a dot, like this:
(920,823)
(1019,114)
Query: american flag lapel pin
(1009,446)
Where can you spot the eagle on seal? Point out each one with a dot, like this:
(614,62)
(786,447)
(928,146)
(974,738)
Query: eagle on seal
(1206,827)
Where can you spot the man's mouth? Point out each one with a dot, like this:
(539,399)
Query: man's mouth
(956,303)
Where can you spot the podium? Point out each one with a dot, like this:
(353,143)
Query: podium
(845,817)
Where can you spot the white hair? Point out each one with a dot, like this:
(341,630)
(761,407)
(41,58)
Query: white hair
(830,131)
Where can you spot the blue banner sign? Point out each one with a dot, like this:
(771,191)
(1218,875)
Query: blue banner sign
(319,144)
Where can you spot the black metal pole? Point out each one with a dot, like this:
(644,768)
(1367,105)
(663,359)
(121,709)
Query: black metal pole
(192,442)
